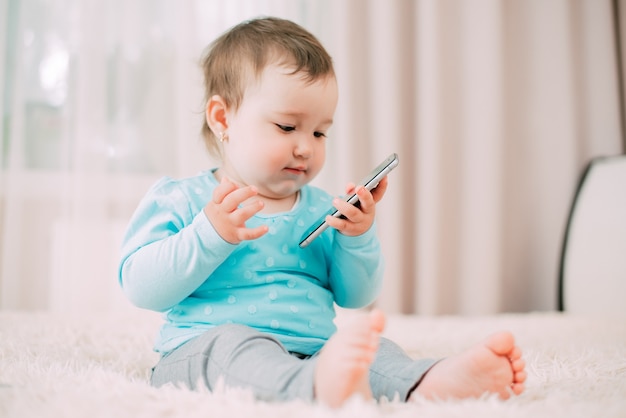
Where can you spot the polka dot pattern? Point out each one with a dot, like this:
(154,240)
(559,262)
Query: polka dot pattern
(267,283)
(270,283)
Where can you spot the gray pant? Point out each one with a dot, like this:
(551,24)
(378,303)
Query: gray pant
(246,358)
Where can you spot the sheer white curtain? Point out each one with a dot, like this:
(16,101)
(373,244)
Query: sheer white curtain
(100,99)
(493,106)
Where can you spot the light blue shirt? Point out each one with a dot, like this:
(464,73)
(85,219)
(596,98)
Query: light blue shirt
(173,261)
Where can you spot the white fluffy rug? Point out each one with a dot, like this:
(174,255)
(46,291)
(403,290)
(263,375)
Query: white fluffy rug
(54,365)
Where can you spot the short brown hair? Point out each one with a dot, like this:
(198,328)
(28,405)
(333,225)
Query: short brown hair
(246,50)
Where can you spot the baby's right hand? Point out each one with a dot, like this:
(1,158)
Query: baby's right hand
(228,219)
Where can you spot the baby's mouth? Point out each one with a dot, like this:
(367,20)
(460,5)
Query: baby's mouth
(296,170)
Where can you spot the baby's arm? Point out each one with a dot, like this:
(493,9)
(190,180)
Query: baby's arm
(164,264)
(169,251)
(357,269)
(356,272)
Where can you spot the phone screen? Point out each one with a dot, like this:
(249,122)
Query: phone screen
(369,182)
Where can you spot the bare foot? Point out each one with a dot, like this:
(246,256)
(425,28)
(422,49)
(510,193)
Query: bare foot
(342,369)
(495,366)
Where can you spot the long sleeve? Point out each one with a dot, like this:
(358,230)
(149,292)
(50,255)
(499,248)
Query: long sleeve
(357,269)
(169,250)
(174,261)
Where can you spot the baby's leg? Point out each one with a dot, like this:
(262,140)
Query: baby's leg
(237,356)
(495,366)
(343,365)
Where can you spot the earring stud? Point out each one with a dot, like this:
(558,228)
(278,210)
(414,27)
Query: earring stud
(223,137)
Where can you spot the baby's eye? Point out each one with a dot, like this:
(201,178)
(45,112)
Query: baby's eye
(319,134)
(286,128)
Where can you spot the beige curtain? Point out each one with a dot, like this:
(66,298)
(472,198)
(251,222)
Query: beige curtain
(494,107)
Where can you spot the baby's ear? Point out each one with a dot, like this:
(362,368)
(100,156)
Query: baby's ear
(216,114)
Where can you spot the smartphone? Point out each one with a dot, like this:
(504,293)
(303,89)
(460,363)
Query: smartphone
(370,182)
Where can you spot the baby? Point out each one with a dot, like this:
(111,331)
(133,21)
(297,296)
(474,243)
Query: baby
(218,253)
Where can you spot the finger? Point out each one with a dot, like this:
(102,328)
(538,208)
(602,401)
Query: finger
(366,199)
(379,191)
(344,225)
(236,197)
(346,209)
(339,224)
(350,188)
(222,190)
(240,215)
(252,233)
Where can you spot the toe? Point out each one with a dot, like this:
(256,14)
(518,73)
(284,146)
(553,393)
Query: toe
(377,319)
(518,365)
(505,394)
(517,388)
(516,353)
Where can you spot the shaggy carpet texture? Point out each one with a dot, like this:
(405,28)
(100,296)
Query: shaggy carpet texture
(54,365)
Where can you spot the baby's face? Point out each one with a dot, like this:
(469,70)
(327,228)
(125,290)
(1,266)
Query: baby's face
(277,137)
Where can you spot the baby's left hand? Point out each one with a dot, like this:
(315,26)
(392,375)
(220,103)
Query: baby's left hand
(357,219)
